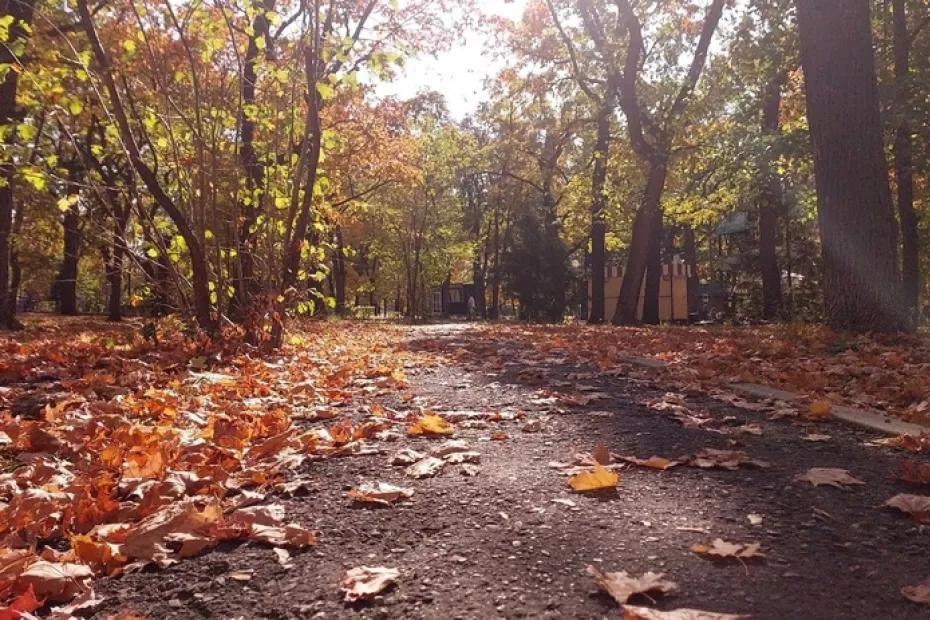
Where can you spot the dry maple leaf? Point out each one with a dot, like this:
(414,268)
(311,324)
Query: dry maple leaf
(631,612)
(917,506)
(914,472)
(430,425)
(919,593)
(719,548)
(595,480)
(55,581)
(653,462)
(621,586)
(382,493)
(831,476)
(425,468)
(364,582)
(406,456)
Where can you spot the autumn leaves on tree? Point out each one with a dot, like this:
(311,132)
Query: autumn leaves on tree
(238,163)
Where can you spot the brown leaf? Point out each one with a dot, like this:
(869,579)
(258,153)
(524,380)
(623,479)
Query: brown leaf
(621,586)
(381,493)
(919,593)
(828,475)
(364,582)
(917,506)
(645,613)
(425,468)
(724,459)
(601,454)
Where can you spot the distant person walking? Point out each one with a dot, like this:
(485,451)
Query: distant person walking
(472,305)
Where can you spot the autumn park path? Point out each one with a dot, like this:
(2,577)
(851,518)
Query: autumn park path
(512,540)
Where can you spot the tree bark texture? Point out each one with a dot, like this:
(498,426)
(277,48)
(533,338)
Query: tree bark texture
(855,212)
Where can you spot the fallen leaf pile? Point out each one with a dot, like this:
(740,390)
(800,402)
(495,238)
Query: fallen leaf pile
(119,453)
(810,360)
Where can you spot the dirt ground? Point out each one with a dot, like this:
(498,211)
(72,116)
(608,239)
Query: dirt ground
(497,545)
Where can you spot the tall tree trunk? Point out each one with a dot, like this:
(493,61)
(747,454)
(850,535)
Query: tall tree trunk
(200,280)
(21,12)
(769,207)
(66,284)
(648,216)
(653,271)
(694,282)
(249,207)
(339,273)
(855,212)
(598,204)
(903,163)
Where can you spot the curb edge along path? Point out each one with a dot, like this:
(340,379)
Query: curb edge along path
(865,418)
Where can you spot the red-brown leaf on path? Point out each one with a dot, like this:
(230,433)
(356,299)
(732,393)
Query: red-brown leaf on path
(831,476)
(382,493)
(653,462)
(498,436)
(919,593)
(601,454)
(911,443)
(365,582)
(917,506)
(646,613)
(24,603)
(914,472)
(622,586)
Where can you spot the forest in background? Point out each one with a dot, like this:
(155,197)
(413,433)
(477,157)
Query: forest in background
(232,161)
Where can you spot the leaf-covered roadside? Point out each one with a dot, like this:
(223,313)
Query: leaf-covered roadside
(889,374)
(119,454)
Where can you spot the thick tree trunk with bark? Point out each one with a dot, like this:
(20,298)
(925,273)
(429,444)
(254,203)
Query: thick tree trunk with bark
(904,164)
(66,284)
(768,209)
(855,212)
(648,217)
(21,12)
(653,271)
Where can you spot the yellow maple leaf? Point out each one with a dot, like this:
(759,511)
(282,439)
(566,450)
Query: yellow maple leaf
(594,480)
(430,424)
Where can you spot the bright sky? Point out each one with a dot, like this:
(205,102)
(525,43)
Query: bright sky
(458,73)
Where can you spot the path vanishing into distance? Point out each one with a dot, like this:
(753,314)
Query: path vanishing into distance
(501,534)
